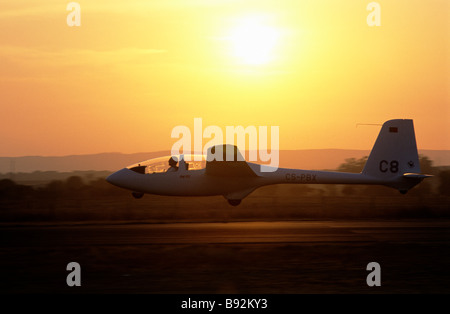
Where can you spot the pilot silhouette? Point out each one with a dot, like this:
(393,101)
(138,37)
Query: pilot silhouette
(173,164)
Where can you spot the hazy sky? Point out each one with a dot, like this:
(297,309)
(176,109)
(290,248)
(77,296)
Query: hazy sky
(134,70)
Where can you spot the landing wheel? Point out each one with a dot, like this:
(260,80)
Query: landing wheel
(234,202)
(137,194)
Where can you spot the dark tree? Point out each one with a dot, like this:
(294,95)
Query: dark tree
(74,183)
(353,165)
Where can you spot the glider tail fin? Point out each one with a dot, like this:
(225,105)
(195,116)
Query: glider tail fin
(394,157)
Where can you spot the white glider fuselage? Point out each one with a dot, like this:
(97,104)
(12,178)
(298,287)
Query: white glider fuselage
(197,183)
(393,162)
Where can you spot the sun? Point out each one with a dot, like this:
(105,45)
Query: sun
(253,40)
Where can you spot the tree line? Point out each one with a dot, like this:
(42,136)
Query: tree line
(77,186)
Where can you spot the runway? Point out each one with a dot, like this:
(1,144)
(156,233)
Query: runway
(73,235)
(233,257)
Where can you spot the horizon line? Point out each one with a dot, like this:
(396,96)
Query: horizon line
(158,151)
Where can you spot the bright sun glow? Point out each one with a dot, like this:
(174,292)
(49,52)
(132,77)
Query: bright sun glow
(253,40)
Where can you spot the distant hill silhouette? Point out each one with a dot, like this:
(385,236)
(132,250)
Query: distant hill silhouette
(303,159)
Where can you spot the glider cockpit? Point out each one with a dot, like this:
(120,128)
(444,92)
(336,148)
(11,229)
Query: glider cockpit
(169,164)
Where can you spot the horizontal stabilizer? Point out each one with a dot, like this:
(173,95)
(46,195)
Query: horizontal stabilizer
(416,175)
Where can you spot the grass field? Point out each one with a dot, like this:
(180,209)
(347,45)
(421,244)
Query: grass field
(281,202)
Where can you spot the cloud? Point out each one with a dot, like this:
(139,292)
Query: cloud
(71,57)
(22,8)
(21,63)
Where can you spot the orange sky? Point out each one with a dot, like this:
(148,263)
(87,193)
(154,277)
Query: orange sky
(135,69)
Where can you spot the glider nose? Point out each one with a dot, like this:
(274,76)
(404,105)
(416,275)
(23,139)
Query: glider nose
(112,178)
(116,178)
